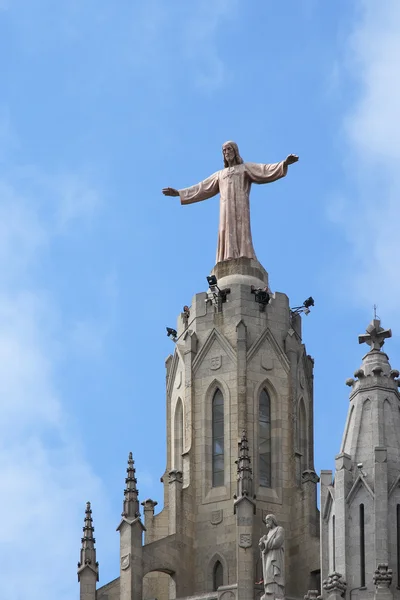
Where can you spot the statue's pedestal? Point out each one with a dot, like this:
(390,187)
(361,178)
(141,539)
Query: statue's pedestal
(246,271)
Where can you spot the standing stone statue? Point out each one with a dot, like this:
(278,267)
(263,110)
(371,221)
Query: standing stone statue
(272,558)
(233,183)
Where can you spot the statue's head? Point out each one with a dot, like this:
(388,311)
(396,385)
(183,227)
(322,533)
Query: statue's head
(270,521)
(230,152)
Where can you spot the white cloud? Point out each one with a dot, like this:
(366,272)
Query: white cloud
(45,479)
(369,214)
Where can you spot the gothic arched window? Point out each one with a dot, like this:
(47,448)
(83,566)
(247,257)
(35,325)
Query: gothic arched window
(218,576)
(178,442)
(218,439)
(264,439)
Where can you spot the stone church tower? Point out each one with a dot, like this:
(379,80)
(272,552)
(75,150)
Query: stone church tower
(360,510)
(239,396)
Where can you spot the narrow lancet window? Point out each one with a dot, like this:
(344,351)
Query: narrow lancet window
(333,544)
(264,439)
(218,439)
(302,437)
(218,575)
(178,435)
(398,543)
(362,547)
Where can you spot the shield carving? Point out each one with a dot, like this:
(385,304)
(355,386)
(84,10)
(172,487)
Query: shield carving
(215,363)
(125,561)
(245,540)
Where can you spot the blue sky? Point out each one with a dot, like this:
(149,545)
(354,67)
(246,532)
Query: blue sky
(103,104)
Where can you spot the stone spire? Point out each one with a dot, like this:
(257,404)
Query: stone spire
(360,523)
(88,567)
(131,493)
(131,539)
(244,470)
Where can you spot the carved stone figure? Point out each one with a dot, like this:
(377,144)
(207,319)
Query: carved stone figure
(233,184)
(272,558)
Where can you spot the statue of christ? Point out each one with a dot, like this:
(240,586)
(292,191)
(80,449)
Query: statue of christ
(233,184)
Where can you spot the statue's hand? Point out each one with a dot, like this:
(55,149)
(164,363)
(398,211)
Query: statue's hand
(292,158)
(170,192)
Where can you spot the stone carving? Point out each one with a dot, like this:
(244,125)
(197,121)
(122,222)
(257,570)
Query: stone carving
(125,562)
(266,362)
(272,558)
(334,584)
(375,335)
(215,362)
(383,576)
(233,184)
(245,540)
(312,595)
(217,517)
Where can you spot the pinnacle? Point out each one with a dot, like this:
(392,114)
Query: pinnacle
(131,493)
(88,540)
(88,550)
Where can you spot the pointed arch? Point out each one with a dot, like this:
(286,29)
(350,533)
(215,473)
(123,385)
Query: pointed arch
(274,492)
(218,438)
(178,435)
(216,572)
(264,438)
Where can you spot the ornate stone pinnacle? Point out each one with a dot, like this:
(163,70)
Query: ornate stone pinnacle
(88,540)
(131,493)
(375,335)
(383,576)
(334,584)
(244,471)
(88,551)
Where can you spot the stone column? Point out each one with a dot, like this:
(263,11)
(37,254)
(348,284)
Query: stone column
(131,557)
(309,481)
(381,506)
(148,509)
(175,502)
(245,509)
(343,480)
(326,481)
(245,548)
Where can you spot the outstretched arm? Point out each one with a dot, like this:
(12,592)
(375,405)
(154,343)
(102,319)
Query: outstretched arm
(202,191)
(260,173)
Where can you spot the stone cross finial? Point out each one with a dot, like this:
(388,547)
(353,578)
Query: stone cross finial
(375,335)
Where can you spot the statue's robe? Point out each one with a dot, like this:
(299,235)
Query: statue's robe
(233,184)
(273,563)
